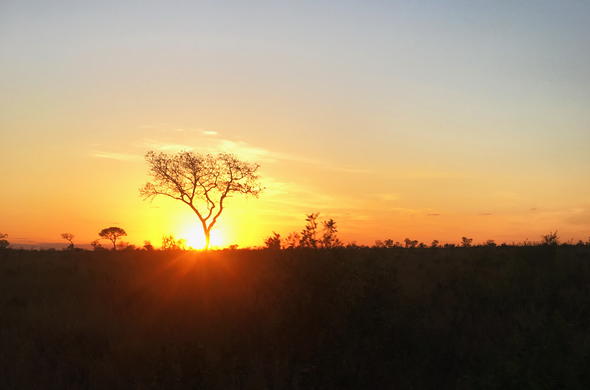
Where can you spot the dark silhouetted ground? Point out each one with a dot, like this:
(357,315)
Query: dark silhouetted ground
(441,318)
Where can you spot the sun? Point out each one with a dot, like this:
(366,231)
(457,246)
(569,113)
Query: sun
(195,238)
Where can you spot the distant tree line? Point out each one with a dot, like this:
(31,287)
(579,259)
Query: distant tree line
(310,237)
(315,234)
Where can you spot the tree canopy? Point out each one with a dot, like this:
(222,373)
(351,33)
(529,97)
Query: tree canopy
(201,181)
(112,233)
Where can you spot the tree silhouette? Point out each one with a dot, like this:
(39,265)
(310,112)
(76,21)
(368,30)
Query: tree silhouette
(309,233)
(96,245)
(273,241)
(550,239)
(170,243)
(292,240)
(410,243)
(329,239)
(112,233)
(3,243)
(466,242)
(202,182)
(147,245)
(68,237)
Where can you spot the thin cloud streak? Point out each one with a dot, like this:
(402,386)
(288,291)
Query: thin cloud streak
(213,144)
(115,156)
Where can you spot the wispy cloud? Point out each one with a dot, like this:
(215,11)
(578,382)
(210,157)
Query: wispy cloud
(115,156)
(209,141)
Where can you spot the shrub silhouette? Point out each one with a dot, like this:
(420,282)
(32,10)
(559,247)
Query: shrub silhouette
(466,242)
(550,239)
(292,240)
(147,245)
(309,233)
(329,239)
(273,242)
(3,242)
(410,243)
(170,243)
(490,243)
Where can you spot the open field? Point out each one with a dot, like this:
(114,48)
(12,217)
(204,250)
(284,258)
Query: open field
(504,317)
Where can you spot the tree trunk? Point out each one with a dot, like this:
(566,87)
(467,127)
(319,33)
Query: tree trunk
(207,239)
(114,244)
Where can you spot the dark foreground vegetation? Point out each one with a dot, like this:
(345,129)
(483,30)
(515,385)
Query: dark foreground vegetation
(380,318)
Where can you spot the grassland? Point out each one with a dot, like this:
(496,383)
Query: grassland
(347,318)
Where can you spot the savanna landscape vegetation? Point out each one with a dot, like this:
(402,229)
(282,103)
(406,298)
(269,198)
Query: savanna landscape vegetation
(327,318)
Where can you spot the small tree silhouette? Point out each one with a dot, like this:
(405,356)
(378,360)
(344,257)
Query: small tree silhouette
(96,245)
(147,245)
(170,243)
(434,244)
(3,242)
(309,233)
(292,240)
(466,242)
(550,239)
(68,237)
(273,242)
(410,243)
(112,233)
(329,239)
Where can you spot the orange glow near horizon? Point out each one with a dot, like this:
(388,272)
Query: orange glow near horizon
(195,238)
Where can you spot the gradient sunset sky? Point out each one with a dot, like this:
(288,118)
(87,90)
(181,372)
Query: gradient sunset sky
(421,119)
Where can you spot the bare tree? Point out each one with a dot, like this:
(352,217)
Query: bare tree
(112,233)
(202,182)
(68,237)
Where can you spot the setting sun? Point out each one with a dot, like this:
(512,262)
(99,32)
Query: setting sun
(195,239)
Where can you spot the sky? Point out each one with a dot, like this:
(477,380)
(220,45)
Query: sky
(428,120)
